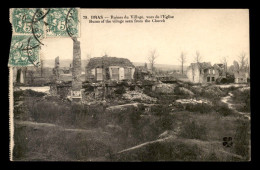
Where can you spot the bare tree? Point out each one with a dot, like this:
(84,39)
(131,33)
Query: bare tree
(193,71)
(151,58)
(223,60)
(236,66)
(243,62)
(197,57)
(182,59)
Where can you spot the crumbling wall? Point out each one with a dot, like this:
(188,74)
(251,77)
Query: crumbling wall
(76,70)
(193,74)
(63,91)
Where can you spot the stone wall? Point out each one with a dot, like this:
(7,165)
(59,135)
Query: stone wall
(193,74)
(76,69)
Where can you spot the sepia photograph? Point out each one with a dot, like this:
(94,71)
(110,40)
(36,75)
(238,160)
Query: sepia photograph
(129,85)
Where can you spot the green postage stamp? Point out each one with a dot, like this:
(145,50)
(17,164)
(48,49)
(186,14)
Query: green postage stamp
(24,51)
(31,25)
(27,21)
(62,22)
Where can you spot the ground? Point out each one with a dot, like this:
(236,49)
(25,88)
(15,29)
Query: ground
(190,124)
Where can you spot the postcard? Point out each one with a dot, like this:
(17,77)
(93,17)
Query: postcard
(129,85)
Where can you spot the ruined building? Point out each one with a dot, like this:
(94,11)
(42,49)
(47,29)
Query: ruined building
(202,73)
(71,89)
(56,69)
(76,93)
(109,68)
(241,77)
(76,66)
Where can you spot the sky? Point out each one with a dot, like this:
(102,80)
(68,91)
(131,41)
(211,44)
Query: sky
(215,33)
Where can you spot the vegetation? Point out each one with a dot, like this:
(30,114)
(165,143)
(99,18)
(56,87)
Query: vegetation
(242,98)
(92,132)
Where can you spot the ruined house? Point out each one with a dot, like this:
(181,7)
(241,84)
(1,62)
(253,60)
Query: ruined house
(222,69)
(241,77)
(32,76)
(142,73)
(202,72)
(109,68)
(66,70)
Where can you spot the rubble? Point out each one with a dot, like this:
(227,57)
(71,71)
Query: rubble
(183,90)
(192,101)
(231,85)
(43,89)
(244,89)
(123,107)
(164,88)
(134,95)
(214,91)
(197,89)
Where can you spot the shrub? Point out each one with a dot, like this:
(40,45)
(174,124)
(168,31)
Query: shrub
(150,93)
(88,88)
(212,93)
(160,110)
(202,108)
(120,90)
(20,147)
(193,130)
(18,94)
(242,139)
(177,90)
(222,108)
(243,98)
(31,93)
(165,151)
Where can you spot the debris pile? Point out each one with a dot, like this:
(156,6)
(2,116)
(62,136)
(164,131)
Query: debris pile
(134,95)
(124,107)
(196,89)
(244,89)
(214,91)
(183,90)
(164,88)
(192,101)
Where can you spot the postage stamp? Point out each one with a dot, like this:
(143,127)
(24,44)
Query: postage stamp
(37,24)
(62,22)
(24,51)
(27,21)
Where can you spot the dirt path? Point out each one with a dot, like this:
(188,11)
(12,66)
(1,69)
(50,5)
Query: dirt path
(206,146)
(227,99)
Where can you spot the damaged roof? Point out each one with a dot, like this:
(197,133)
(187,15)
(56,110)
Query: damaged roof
(203,65)
(108,61)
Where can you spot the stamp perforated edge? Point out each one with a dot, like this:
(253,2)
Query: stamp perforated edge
(11,114)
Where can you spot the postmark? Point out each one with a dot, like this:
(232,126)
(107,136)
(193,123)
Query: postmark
(24,51)
(62,22)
